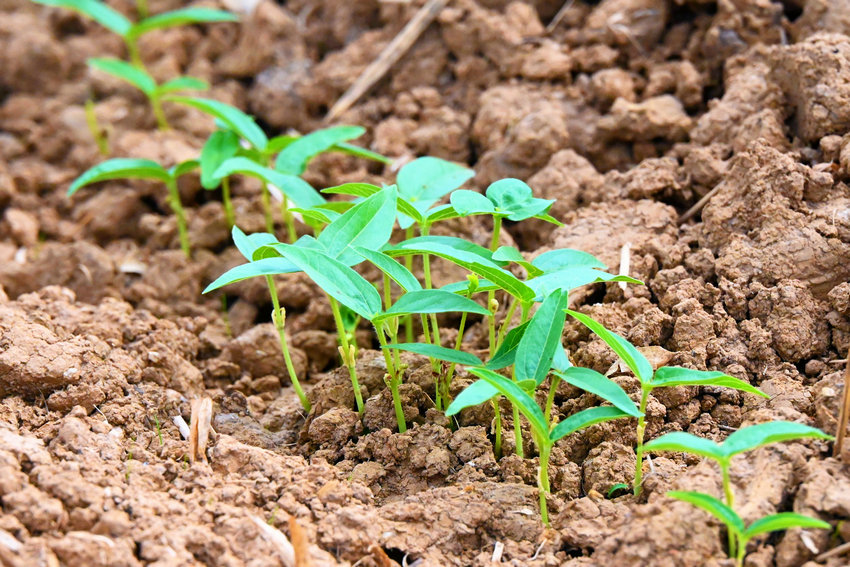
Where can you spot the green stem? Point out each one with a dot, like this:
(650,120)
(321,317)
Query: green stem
(177,207)
(408,263)
(450,374)
(503,329)
(265,198)
(394,380)
(279,317)
(550,398)
(133,52)
(543,481)
(229,215)
(491,295)
(520,452)
(288,220)
(641,428)
(98,133)
(741,551)
(387,294)
(497,427)
(347,353)
(730,501)
(161,120)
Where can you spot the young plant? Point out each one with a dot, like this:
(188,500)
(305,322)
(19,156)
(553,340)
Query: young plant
(545,436)
(664,377)
(741,441)
(124,168)
(135,72)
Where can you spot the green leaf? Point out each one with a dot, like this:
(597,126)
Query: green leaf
(783,521)
(219,147)
(511,254)
(295,156)
(184,167)
(585,418)
(458,245)
(467,202)
(515,199)
(264,267)
(687,443)
(121,168)
(354,189)
(748,438)
(518,397)
(368,224)
(336,279)
(677,376)
(476,393)
(624,349)
(572,278)
(181,17)
(506,353)
(277,143)
(126,72)
(560,362)
(463,287)
(439,213)
(596,383)
(182,84)
(230,116)
(440,352)
(616,488)
(296,189)
(542,336)
(713,506)
(316,217)
(111,19)
(431,301)
(398,273)
(426,180)
(248,244)
(563,258)
(357,151)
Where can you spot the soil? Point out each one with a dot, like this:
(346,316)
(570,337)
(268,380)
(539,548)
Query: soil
(627,112)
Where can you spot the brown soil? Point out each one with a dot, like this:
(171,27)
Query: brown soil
(627,112)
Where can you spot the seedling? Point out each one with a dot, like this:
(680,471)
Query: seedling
(664,377)
(742,440)
(135,72)
(124,168)
(544,436)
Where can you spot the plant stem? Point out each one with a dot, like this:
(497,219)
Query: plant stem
(543,480)
(394,380)
(177,207)
(98,133)
(641,428)
(520,452)
(133,52)
(550,398)
(265,198)
(491,295)
(447,383)
(279,317)
(387,295)
(408,263)
(503,329)
(349,360)
(730,501)
(497,427)
(229,215)
(161,120)
(288,220)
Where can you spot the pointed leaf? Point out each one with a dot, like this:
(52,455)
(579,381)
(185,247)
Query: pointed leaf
(431,301)
(511,254)
(585,418)
(398,273)
(121,168)
(783,521)
(686,443)
(515,199)
(233,118)
(264,267)
(183,168)
(248,244)
(562,258)
(677,376)
(295,157)
(476,393)
(219,147)
(426,180)
(541,338)
(296,189)
(182,84)
(126,72)
(336,279)
(596,383)
(368,224)
(506,353)
(560,362)
(98,11)
(572,278)
(713,506)
(181,17)
(355,189)
(518,397)
(357,151)
(624,349)
(467,202)
(749,438)
(440,353)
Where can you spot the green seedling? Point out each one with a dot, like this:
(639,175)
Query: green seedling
(543,434)
(664,377)
(124,168)
(741,441)
(134,72)
(99,133)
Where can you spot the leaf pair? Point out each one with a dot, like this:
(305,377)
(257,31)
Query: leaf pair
(140,79)
(129,168)
(507,198)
